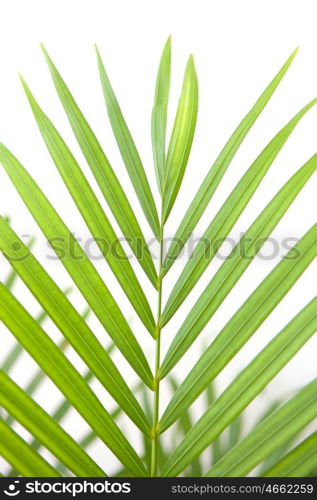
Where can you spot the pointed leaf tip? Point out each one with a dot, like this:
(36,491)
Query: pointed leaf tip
(168,44)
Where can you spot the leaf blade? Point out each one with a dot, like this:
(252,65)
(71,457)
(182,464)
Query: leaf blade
(128,151)
(21,456)
(243,324)
(81,270)
(227,216)
(159,114)
(218,169)
(104,174)
(70,323)
(92,213)
(299,462)
(271,433)
(181,139)
(55,364)
(237,262)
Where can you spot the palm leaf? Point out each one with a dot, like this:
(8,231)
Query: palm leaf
(12,276)
(54,363)
(92,213)
(128,150)
(14,354)
(39,376)
(181,139)
(246,387)
(104,175)
(237,262)
(60,413)
(185,423)
(235,431)
(159,114)
(217,445)
(90,436)
(218,169)
(277,455)
(21,456)
(86,440)
(217,430)
(271,433)
(243,324)
(70,324)
(35,381)
(43,427)
(226,217)
(299,462)
(81,270)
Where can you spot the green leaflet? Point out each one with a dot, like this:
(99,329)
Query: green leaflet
(269,435)
(276,456)
(90,436)
(128,151)
(16,351)
(242,325)
(12,357)
(70,323)
(10,280)
(235,431)
(226,217)
(12,276)
(237,262)
(278,453)
(146,440)
(81,270)
(35,381)
(299,462)
(161,452)
(217,445)
(159,114)
(57,367)
(185,423)
(60,413)
(44,428)
(181,139)
(246,386)
(217,432)
(20,455)
(93,214)
(218,169)
(63,408)
(106,179)
(268,411)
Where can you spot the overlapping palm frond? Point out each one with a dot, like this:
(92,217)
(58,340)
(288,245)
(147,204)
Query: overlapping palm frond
(271,443)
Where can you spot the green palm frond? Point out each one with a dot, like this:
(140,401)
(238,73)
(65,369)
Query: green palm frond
(271,445)
(298,462)
(271,433)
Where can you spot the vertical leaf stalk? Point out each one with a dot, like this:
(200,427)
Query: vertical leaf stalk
(156,404)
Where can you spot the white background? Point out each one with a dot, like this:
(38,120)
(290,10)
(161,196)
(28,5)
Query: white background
(238,46)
